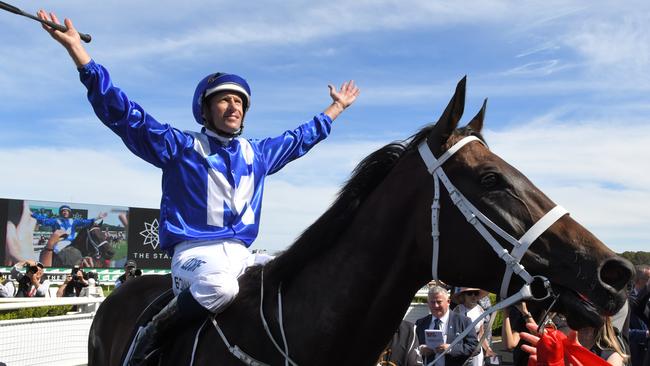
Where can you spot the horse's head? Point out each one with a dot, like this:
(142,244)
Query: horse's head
(589,277)
(94,242)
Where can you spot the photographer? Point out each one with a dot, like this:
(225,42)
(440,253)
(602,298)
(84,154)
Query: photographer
(31,283)
(73,283)
(131,271)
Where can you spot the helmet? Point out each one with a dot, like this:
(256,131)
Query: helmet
(218,82)
(64,207)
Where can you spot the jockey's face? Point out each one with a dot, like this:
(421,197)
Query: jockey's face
(225,111)
(438,304)
(65,213)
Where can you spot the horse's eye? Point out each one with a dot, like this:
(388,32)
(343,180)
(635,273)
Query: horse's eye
(489,180)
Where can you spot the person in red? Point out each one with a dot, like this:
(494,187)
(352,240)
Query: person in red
(554,348)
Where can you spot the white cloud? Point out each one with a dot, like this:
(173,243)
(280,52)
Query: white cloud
(619,44)
(269,23)
(545,67)
(289,209)
(79,175)
(604,46)
(594,170)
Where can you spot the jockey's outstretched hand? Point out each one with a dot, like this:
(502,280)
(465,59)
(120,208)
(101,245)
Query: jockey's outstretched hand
(342,98)
(346,95)
(69,39)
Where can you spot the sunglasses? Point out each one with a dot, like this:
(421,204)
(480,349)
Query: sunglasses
(471,293)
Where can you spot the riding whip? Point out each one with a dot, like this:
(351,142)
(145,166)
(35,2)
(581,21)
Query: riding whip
(62,28)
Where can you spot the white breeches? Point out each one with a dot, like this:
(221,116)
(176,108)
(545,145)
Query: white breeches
(210,270)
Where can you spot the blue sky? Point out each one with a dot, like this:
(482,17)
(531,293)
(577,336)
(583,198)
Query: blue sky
(567,82)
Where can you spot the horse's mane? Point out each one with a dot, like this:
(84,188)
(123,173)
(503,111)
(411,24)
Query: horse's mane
(321,235)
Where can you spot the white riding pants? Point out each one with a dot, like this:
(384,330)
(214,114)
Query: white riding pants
(210,270)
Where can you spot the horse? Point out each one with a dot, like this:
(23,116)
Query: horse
(91,246)
(345,284)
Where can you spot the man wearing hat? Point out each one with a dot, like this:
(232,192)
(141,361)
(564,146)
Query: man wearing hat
(130,271)
(450,324)
(212,180)
(467,300)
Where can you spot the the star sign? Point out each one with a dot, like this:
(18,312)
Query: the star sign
(150,234)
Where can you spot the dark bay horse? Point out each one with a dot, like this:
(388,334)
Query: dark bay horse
(91,246)
(349,278)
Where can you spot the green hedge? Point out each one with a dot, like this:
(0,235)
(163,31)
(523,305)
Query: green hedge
(39,312)
(43,311)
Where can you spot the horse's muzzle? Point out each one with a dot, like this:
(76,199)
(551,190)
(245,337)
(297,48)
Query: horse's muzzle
(614,276)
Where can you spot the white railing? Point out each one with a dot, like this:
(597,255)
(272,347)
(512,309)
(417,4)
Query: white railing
(63,340)
(57,340)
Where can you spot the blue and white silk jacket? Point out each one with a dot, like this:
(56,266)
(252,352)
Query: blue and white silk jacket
(70,225)
(212,188)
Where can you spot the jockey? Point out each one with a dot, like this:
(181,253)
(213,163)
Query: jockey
(67,223)
(212,180)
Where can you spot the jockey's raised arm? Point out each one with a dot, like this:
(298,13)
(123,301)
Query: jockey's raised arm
(212,179)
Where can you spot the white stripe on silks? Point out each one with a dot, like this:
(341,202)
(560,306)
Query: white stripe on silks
(201,143)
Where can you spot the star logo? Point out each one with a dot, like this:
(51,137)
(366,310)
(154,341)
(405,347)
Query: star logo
(150,234)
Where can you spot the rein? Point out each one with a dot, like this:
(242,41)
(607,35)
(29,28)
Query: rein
(93,243)
(238,352)
(476,219)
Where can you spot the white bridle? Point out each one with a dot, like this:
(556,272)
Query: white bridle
(473,216)
(479,220)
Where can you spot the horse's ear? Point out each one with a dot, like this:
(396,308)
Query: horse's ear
(476,123)
(448,122)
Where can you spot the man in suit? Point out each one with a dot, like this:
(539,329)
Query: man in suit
(452,324)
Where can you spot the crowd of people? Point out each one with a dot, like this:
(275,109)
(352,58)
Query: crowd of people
(622,340)
(27,279)
(430,340)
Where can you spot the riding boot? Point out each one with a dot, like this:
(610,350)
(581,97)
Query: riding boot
(149,337)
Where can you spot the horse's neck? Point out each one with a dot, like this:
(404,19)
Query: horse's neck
(80,240)
(357,292)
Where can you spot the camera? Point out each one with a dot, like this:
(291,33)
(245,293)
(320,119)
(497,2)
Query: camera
(134,272)
(32,269)
(74,271)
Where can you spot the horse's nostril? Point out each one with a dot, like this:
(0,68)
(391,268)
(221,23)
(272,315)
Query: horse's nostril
(616,272)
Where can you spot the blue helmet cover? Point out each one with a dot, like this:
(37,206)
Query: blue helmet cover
(215,83)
